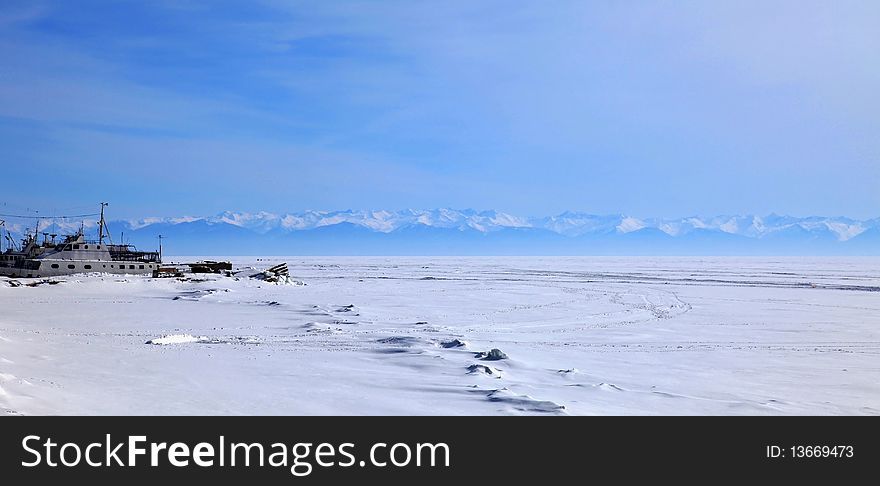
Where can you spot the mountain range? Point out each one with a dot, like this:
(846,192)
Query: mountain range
(470,232)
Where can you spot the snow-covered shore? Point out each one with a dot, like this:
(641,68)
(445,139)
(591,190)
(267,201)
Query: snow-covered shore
(414,335)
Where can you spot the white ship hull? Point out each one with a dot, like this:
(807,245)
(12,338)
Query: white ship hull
(54,268)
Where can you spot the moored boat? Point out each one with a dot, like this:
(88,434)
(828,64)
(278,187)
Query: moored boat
(76,254)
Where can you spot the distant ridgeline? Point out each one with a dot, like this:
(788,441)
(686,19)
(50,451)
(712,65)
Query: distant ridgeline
(468,232)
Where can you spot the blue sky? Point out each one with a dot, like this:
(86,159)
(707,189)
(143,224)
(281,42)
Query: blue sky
(646,108)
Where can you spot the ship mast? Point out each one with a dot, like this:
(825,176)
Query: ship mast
(101,224)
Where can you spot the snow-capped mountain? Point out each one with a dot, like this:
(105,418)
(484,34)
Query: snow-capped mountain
(381,221)
(567,224)
(451,231)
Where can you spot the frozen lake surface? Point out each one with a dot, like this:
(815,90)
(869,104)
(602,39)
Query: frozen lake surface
(405,336)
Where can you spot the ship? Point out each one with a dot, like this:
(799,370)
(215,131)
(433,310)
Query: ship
(75,253)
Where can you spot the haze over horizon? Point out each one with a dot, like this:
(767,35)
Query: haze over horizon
(654,110)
